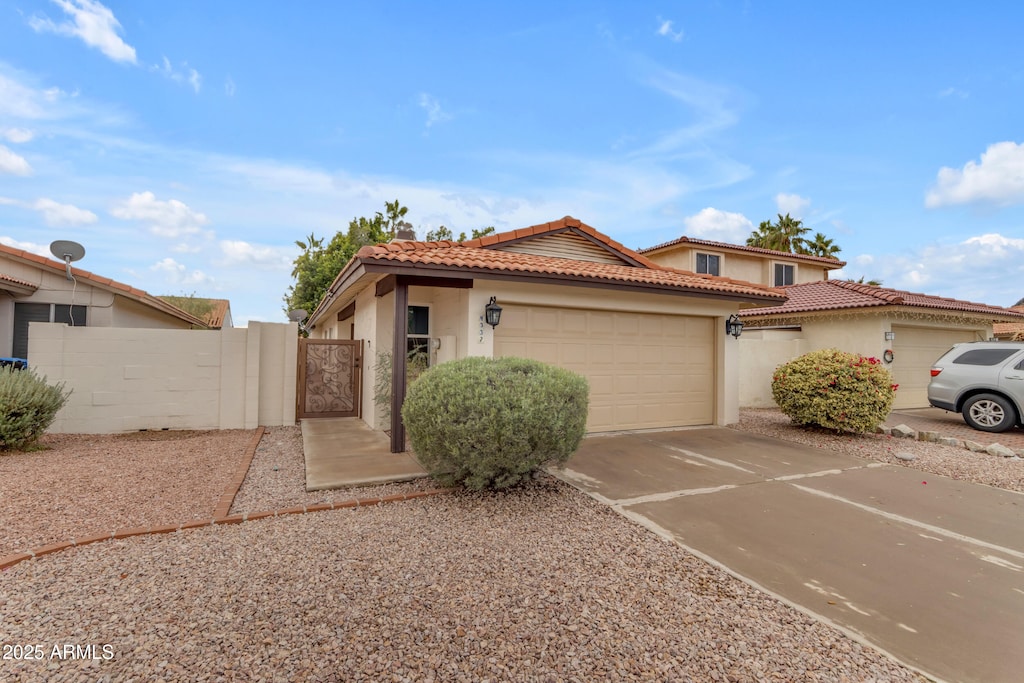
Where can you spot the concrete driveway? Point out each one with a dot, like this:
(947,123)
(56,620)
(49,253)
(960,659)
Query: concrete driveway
(928,569)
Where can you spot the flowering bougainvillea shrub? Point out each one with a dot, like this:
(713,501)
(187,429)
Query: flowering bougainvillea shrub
(834,389)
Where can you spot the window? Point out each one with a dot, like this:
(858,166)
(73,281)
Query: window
(984,356)
(784,274)
(418,342)
(25,313)
(709,263)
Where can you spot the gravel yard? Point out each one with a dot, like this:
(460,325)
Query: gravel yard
(84,484)
(540,583)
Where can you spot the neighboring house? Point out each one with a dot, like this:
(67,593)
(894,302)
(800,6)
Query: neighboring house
(752,264)
(215,313)
(1010,331)
(908,331)
(36,289)
(651,340)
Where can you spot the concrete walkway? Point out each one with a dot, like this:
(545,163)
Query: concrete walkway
(344,451)
(928,569)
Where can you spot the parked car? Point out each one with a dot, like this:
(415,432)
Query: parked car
(983,381)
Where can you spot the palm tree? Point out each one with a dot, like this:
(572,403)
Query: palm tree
(784,235)
(821,246)
(870,283)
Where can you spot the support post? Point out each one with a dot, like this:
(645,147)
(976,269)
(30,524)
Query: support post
(399,356)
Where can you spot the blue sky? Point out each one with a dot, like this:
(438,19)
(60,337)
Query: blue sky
(188,145)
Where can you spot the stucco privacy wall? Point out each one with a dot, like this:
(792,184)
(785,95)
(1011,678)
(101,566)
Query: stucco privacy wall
(125,379)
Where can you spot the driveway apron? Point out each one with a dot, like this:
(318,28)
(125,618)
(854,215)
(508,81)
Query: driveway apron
(926,568)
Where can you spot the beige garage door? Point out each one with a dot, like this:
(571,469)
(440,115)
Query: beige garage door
(916,349)
(645,370)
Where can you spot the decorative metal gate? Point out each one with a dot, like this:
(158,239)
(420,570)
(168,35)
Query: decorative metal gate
(329,377)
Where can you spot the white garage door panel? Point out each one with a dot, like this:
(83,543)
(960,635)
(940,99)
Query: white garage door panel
(915,350)
(645,370)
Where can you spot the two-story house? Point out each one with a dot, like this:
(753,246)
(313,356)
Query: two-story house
(908,331)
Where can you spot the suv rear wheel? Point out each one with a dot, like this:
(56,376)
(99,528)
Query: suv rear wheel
(989,413)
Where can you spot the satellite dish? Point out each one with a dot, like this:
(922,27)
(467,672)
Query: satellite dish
(67,251)
(298,315)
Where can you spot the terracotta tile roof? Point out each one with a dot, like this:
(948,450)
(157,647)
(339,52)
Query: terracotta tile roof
(20,284)
(828,295)
(212,318)
(102,282)
(1009,330)
(480,255)
(830,262)
(567,223)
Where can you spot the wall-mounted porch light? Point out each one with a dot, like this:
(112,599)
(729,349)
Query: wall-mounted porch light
(492,312)
(889,336)
(734,326)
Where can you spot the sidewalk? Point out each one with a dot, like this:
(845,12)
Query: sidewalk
(953,425)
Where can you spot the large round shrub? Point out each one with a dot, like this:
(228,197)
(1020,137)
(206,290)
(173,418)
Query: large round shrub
(490,423)
(835,390)
(28,406)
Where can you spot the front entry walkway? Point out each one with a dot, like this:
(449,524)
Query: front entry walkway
(926,568)
(344,451)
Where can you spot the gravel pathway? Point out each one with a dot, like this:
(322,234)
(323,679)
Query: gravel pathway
(538,584)
(83,484)
(948,461)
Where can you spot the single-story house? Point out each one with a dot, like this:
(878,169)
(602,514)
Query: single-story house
(651,339)
(37,289)
(908,331)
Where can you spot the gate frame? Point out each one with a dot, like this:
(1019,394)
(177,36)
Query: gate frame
(357,378)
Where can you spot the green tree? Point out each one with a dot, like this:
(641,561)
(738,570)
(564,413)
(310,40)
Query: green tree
(315,268)
(820,246)
(786,234)
(443,233)
(870,283)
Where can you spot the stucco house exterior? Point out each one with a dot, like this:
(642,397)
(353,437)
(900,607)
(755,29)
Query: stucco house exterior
(822,313)
(651,339)
(36,289)
(753,264)
(909,331)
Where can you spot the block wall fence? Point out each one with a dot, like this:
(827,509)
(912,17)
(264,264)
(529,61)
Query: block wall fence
(127,379)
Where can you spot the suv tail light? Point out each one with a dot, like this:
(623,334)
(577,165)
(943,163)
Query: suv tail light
(936,371)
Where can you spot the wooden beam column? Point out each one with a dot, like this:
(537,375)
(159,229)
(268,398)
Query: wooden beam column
(399,354)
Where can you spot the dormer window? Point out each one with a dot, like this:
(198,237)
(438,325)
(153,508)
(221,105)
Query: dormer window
(710,264)
(785,275)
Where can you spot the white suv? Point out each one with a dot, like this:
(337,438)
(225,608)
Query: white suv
(983,381)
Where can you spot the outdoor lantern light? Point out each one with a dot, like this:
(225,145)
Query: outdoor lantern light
(734,326)
(492,312)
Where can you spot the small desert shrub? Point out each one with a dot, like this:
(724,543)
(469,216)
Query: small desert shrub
(835,390)
(27,407)
(490,423)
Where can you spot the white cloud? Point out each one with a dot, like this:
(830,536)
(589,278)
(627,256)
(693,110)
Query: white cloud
(954,92)
(793,204)
(720,226)
(187,75)
(17,135)
(32,247)
(433,108)
(240,253)
(12,163)
(985,268)
(710,105)
(56,214)
(229,87)
(93,23)
(178,274)
(165,218)
(864,260)
(998,179)
(665,29)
